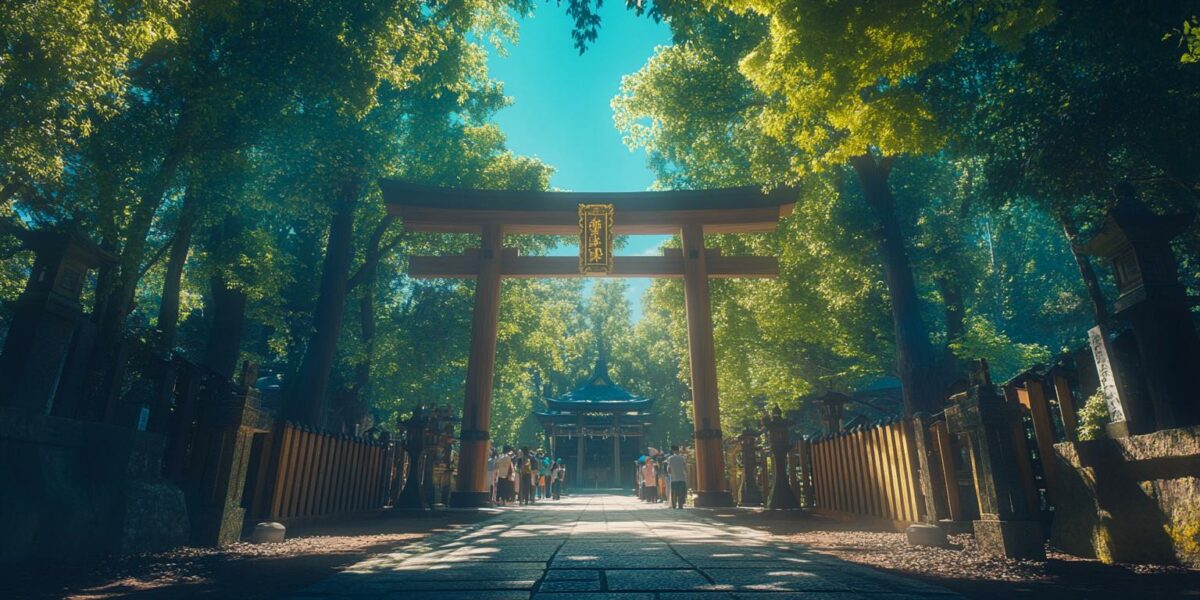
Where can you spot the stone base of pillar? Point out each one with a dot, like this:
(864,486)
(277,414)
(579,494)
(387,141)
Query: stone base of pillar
(714,500)
(470,499)
(1011,539)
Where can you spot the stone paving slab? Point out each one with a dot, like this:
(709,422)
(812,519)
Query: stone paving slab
(666,580)
(607,547)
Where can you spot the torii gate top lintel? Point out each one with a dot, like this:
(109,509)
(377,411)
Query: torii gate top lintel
(455,210)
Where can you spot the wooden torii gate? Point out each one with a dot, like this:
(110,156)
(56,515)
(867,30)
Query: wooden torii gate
(494,214)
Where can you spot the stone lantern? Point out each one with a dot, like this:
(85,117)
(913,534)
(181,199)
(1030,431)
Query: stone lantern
(434,441)
(1007,525)
(832,406)
(1137,242)
(779,429)
(414,446)
(45,317)
(748,494)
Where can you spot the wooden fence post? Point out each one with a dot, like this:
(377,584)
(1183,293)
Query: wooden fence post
(1066,404)
(1033,397)
(927,470)
(947,457)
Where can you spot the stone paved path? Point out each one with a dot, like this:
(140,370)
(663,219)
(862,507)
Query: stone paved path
(607,547)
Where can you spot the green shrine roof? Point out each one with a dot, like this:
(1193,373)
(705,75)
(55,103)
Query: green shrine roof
(597,393)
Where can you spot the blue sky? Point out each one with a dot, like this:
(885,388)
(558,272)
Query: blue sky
(561,114)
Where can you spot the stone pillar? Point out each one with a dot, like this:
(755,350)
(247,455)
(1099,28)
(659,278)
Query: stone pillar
(748,494)
(1006,526)
(229,423)
(471,487)
(45,318)
(1154,302)
(779,429)
(710,462)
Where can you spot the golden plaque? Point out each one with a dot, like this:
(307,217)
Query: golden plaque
(595,239)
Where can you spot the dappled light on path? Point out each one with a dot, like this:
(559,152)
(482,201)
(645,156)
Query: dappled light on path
(610,547)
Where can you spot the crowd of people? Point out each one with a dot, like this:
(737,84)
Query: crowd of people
(524,476)
(662,477)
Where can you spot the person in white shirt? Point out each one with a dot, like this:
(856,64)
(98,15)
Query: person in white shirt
(677,472)
(491,474)
(504,477)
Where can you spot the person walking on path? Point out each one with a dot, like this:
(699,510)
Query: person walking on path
(677,473)
(491,474)
(504,474)
(543,469)
(650,477)
(560,482)
(525,473)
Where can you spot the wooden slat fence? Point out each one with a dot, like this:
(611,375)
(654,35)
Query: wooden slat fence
(321,474)
(869,472)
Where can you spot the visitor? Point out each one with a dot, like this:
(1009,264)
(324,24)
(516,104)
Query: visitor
(504,473)
(640,484)
(661,481)
(524,475)
(533,476)
(650,477)
(543,474)
(491,475)
(676,465)
(561,480)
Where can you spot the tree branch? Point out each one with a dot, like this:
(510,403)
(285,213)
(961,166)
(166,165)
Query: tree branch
(158,254)
(375,251)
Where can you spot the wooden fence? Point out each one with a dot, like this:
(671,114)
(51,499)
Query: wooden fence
(306,474)
(868,472)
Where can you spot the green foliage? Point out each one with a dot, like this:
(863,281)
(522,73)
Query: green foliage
(1093,417)
(64,68)
(1188,38)
(981,339)
(240,126)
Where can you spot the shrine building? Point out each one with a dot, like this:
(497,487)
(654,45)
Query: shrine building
(596,428)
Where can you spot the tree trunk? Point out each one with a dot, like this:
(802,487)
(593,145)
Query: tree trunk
(130,262)
(168,308)
(916,362)
(355,409)
(307,400)
(227,306)
(1090,280)
(952,304)
(952,300)
(225,334)
(107,365)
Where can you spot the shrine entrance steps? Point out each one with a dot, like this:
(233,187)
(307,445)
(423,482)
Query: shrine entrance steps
(597,546)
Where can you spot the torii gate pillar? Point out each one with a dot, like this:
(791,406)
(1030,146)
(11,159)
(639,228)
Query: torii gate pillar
(471,487)
(706,417)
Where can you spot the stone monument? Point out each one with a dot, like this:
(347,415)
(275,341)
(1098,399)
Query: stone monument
(1007,525)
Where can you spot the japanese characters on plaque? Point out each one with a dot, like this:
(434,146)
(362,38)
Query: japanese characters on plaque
(595,239)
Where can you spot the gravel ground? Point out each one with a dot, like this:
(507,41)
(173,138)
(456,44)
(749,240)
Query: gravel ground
(964,569)
(240,570)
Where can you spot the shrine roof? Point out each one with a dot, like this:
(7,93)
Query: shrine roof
(455,210)
(597,394)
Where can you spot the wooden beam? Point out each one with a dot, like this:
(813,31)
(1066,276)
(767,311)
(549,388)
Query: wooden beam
(514,266)
(566,222)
